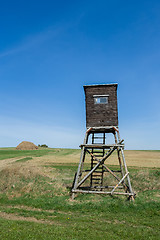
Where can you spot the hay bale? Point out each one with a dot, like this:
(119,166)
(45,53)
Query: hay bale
(26,146)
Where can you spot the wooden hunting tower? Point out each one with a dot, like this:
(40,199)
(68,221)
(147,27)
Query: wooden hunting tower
(94,176)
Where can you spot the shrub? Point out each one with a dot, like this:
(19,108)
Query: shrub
(43,145)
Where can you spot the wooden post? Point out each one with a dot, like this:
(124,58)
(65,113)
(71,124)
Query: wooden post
(126,170)
(80,165)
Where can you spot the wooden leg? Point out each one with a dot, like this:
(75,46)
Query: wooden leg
(73,196)
(80,165)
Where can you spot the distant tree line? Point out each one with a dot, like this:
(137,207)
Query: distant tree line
(43,145)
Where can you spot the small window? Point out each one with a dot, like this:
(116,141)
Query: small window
(101,100)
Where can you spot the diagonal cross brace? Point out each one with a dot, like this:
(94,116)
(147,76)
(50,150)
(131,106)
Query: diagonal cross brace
(97,165)
(124,185)
(120,182)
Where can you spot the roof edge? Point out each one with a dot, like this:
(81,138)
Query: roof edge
(97,85)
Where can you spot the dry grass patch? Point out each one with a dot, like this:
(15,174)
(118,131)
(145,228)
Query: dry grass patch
(133,158)
(143,158)
(21,179)
(11,216)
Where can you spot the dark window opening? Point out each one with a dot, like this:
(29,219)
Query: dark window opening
(101,100)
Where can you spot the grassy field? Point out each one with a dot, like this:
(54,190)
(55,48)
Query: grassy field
(35,198)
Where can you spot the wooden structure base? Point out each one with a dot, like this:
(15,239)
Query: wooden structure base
(97,177)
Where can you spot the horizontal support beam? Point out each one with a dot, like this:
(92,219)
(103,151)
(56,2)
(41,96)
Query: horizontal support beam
(88,170)
(103,146)
(101,192)
(99,187)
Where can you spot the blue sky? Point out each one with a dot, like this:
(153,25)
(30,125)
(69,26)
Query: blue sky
(50,49)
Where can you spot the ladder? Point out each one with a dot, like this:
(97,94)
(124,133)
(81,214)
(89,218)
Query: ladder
(96,179)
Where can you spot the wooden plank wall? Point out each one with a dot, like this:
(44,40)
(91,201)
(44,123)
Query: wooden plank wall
(98,115)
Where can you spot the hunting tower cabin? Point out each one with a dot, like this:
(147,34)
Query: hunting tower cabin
(101,105)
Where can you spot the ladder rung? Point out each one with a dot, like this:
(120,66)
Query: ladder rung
(98,138)
(98,151)
(88,170)
(98,155)
(99,143)
(99,168)
(97,174)
(94,161)
(114,171)
(96,178)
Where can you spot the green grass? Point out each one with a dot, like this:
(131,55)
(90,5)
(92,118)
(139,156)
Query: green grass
(12,153)
(6,153)
(44,210)
(103,218)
